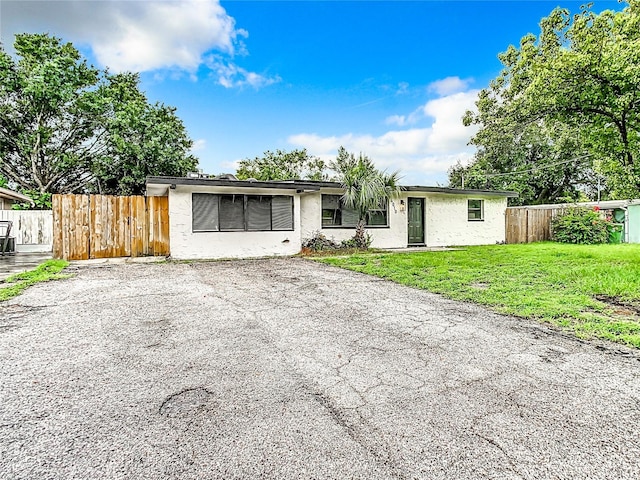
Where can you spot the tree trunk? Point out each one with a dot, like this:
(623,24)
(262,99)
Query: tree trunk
(361,238)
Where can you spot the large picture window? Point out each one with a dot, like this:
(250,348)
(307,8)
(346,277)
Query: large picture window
(335,214)
(239,213)
(475,210)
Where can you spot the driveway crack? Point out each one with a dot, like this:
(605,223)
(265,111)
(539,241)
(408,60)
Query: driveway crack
(495,444)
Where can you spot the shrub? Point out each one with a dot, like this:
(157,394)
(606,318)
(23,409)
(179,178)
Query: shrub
(41,201)
(318,243)
(579,225)
(360,240)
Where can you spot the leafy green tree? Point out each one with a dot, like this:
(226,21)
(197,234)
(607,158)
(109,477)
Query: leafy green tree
(49,114)
(66,126)
(366,188)
(141,140)
(579,80)
(542,164)
(283,165)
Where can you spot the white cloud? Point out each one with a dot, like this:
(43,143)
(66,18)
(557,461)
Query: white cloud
(447,130)
(449,85)
(423,155)
(400,120)
(404,120)
(151,35)
(199,145)
(230,166)
(138,35)
(403,87)
(230,75)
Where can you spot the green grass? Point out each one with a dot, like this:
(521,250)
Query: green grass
(548,282)
(46,271)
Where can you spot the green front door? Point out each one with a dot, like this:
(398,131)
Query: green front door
(416,221)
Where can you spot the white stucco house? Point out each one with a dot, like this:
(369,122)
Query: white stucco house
(227,218)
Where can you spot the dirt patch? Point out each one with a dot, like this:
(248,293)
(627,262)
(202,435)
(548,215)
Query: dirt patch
(620,306)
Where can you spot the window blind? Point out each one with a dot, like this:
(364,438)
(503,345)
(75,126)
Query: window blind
(282,213)
(205,212)
(258,213)
(231,212)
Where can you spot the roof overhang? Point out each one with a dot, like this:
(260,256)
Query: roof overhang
(12,195)
(161,185)
(604,204)
(461,191)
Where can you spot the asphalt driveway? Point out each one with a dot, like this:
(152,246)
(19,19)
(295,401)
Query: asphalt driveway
(288,369)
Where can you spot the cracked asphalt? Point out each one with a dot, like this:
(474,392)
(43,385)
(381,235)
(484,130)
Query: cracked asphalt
(287,369)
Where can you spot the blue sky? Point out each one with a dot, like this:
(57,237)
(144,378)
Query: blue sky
(388,79)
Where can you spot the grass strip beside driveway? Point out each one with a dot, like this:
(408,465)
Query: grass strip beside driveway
(593,290)
(46,271)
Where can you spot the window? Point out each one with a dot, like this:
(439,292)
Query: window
(335,214)
(475,210)
(231,213)
(331,210)
(281,212)
(378,216)
(239,213)
(258,213)
(204,209)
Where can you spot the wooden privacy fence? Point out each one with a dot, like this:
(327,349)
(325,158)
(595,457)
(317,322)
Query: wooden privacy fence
(102,226)
(527,224)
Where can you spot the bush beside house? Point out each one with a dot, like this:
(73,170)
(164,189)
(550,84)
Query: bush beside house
(581,226)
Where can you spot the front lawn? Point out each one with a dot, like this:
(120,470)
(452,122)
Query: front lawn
(593,290)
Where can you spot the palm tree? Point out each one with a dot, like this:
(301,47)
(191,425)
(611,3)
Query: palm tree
(365,188)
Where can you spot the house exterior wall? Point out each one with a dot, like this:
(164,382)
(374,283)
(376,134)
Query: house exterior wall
(446,221)
(186,244)
(383,237)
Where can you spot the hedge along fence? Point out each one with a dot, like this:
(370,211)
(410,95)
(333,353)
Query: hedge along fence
(581,225)
(104,226)
(534,223)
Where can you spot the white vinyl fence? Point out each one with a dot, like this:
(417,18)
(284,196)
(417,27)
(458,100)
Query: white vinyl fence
(32,229)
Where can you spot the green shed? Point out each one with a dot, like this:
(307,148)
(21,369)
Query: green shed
(633,221)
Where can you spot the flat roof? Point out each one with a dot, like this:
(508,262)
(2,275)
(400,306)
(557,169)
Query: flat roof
(419,188)
(218,182)
(310,185)
(457,191)
(605,204)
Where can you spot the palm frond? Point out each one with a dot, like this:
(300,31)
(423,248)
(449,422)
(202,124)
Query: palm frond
(365,187)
